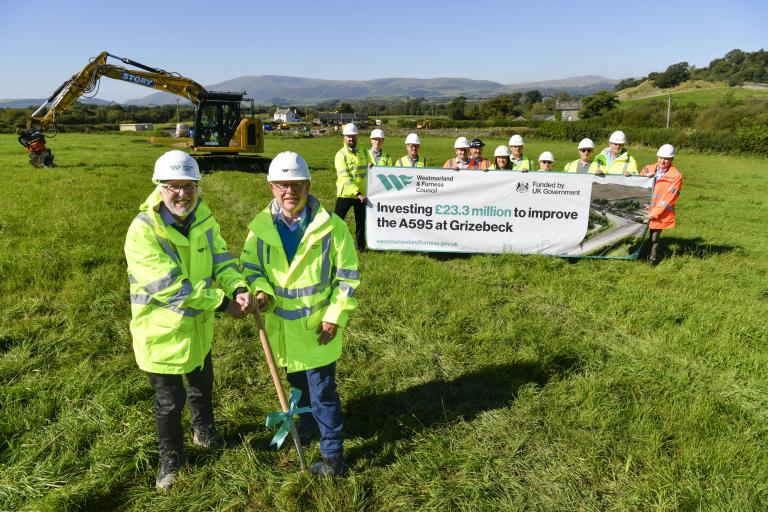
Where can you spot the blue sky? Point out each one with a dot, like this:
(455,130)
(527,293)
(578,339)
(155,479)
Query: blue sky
(44,42)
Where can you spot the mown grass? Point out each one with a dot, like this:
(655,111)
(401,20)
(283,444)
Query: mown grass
(702,97)
(469,383)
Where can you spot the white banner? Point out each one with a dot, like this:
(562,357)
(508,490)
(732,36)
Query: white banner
(501,211)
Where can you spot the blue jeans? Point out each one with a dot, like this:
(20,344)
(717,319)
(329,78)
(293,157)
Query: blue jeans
(318,389)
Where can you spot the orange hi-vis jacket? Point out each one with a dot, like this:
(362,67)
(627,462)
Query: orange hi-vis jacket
(481,163)
(453,163)
(666,192)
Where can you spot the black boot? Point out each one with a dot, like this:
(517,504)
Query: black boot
(208,438)
(330,466)
(170,463)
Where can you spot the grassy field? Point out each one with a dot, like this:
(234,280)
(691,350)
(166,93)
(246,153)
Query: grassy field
(479,383)
(707,95)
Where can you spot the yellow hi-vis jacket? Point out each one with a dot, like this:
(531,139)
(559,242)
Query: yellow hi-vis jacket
(351,172)
(405,161)
(317,286)
(384,160)
(573,166)
(526,164)
(621,164)
(176,284)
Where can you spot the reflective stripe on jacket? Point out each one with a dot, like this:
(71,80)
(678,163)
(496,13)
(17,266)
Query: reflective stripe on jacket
(405,161)
(666,192)
(176,284)
(351,172)
(621,164)
(482,164)
(318,285)
(574,167)
(384,160)
(526,164)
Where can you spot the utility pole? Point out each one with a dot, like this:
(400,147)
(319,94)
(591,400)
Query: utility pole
(669,107)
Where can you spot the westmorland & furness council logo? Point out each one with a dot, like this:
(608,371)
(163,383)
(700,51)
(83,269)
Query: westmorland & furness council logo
(396,181)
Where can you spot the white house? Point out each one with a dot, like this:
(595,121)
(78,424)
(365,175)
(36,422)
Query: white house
(286,115)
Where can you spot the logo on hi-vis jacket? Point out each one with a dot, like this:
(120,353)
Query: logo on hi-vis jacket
(397,182)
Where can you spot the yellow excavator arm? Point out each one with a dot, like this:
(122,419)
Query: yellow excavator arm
(222,132)
(87,79)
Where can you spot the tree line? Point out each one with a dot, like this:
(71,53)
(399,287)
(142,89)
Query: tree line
(735,68)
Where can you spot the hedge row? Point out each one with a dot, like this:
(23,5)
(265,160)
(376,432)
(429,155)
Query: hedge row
(752,139)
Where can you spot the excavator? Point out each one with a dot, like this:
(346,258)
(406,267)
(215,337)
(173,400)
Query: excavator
(224,138)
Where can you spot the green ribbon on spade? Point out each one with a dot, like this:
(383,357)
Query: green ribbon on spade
(286,418)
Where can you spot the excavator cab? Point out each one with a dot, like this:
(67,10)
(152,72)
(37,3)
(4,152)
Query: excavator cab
(216,119)
(222,132)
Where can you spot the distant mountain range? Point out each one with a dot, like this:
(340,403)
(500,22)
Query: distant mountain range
(36,102)
(287,90)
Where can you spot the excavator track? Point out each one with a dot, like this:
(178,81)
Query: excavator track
(245,163)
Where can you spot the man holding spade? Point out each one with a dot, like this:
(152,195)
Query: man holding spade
(300,261)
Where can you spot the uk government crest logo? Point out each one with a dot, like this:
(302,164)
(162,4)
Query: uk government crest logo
(522,187)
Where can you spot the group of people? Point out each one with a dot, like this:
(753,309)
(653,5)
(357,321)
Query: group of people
(352,165)
(298,266)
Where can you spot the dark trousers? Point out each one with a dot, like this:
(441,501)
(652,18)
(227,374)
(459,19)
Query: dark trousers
(343,204)
(318,390)
(655,237)
(169,403)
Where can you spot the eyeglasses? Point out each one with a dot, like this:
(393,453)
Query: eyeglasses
(545,162)
(296,186)
(585,150)
(176,189)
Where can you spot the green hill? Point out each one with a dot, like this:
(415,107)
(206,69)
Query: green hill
(698,92)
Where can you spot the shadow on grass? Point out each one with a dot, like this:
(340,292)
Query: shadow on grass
(388,417)
(696,247)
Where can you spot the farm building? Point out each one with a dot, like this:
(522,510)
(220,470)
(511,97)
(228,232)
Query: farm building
(136,127)
(331,118)
(569,110)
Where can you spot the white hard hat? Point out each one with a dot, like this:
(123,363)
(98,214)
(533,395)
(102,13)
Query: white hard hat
(666,151)
(461,142)
(586,144)
(618,137)
(501,151)
(548,156)
(412,138)
(349,129)
(176,165)
(288,166)
(377,134)
(516,140)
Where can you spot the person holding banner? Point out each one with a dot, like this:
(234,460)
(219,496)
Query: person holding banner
(666,192)
(351,174)
(300,261)
(585,164)
(376,155)
(520,162)
(461,148)
(476,158)
(501,159)
(412,159)
(616,159)
(546,160)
